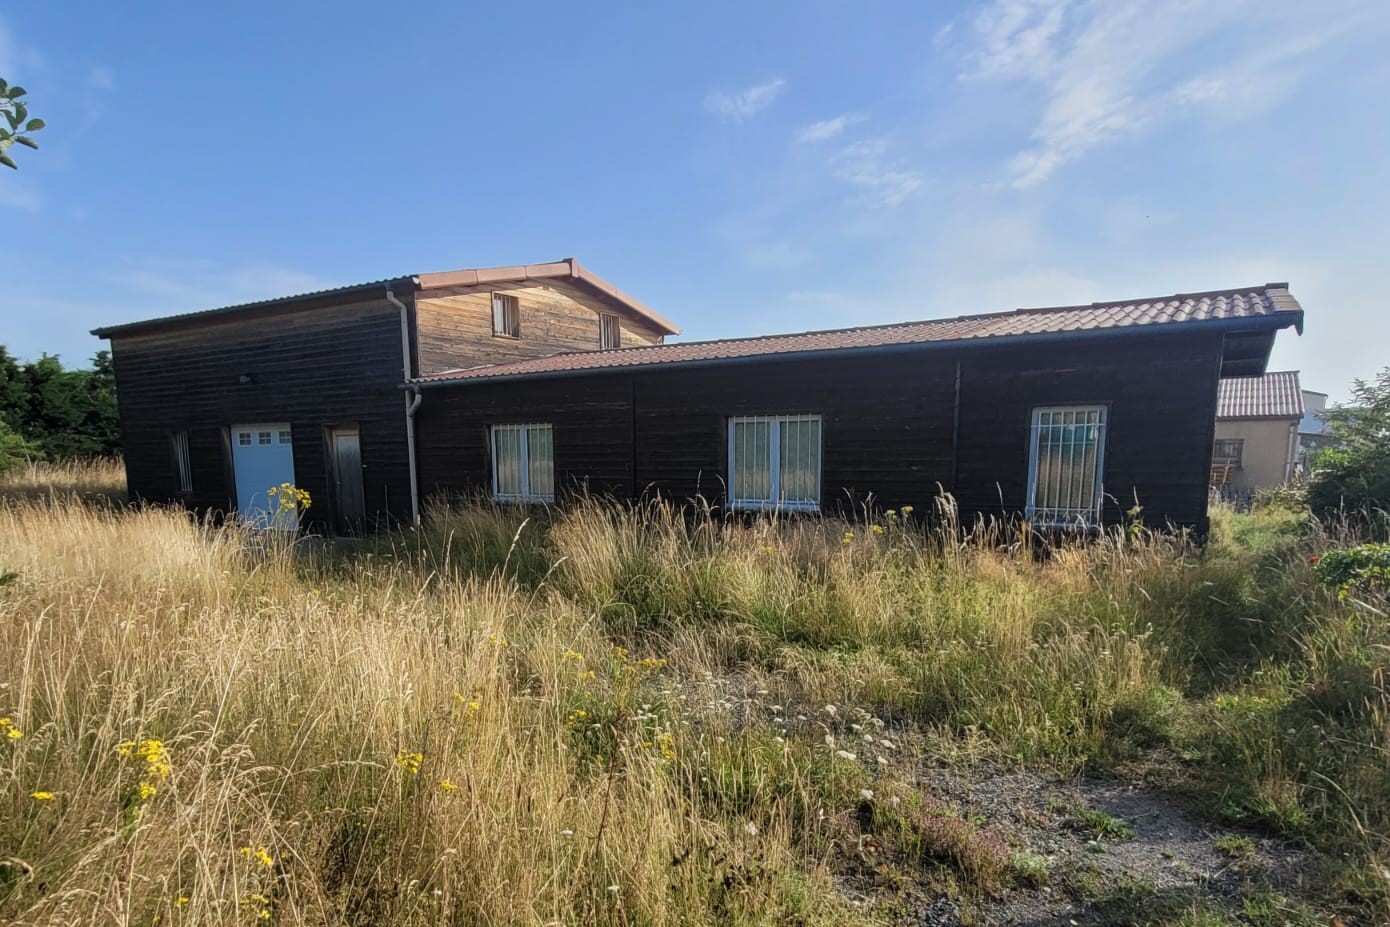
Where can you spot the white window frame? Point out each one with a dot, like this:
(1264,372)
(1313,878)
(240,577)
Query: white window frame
(774,443)
(1073,516)
(525,495)
(610,331)
(183,464)
(506,316)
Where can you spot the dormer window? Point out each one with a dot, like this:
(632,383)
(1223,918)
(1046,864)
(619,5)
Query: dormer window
(610,332)
(506,316)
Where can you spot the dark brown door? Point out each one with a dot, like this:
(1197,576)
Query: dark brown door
(349,507)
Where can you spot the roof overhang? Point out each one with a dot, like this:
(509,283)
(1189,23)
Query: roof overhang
(1237,330)
(566,276)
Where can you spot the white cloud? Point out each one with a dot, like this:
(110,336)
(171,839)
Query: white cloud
(745,104)
(868,165)
(827,129)
(1110,70)
(15,193)
(16,60)
(101,79)
(185,286)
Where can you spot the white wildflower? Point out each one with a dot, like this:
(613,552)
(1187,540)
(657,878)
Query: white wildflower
(866,794)
(846,755)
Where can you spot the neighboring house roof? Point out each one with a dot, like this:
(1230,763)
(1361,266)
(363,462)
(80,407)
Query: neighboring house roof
(1269,307)
(566,275)
(1274,395)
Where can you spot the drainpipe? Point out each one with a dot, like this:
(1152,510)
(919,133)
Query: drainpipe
(412,402)
(1291,457)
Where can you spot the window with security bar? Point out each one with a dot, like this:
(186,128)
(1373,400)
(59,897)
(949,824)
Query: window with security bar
(523,463)
(775,462)
(1228,452)
(1066,465)
(506,316)
(183,466)
(610,331)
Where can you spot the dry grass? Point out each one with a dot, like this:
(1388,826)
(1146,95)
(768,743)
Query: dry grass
(100,481)
(613,716)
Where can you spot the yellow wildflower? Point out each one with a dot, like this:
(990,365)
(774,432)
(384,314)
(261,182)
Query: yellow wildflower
(586,676)
(410,762)
(181,901)
(574,655)
(848,538)
(146,791)
(446,786)
(42,796)
(620,654)
(11,732)
(907,510)
(260,854)
(876,529)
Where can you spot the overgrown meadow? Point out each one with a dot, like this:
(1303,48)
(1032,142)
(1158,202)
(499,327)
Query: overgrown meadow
(650,715)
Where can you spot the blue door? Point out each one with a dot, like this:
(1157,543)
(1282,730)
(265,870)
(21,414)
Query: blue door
(262,459)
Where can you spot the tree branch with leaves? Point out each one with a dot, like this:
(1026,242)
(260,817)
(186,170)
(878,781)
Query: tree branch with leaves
(16,113)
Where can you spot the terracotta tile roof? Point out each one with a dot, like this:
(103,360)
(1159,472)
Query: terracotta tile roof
(1274,395)
(1272,304)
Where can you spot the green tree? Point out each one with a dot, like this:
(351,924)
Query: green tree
(14,450)
(59,413)
(16,113)
(1353,476)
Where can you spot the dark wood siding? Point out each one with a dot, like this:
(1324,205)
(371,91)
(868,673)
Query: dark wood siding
(592,421)
(1160,391)
(890,423)
(313,368)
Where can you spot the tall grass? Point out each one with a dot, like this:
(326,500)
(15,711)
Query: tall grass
(628,715)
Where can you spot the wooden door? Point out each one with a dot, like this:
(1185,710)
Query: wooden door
(349,504)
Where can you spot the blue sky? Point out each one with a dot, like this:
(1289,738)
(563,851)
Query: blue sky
(742,168)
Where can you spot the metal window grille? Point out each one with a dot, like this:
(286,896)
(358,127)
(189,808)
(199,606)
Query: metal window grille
(506,315)
(284,436)
(1228,452)
(243,438)
(775,462)
(1066,463)
(262,437)
(182,465)
(523,463)
(610,331)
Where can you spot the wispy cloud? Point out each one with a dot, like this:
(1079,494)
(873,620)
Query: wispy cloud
(16,194)
(869,165)
(16,60)
(189,285)
(827,129)
(100,78)
(1115,69)
(744,104)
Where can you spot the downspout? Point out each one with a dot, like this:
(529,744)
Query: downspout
(955,433)
(1291,458)
(412,403)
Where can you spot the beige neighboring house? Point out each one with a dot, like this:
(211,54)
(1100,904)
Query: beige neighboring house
(1256,432)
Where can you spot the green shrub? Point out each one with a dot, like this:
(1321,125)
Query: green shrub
(1347,568)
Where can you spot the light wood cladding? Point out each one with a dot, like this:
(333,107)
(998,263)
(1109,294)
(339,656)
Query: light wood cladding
(455,331)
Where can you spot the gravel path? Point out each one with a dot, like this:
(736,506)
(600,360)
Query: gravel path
(1097,871)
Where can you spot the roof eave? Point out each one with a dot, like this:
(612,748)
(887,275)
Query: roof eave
(568,269)
(1282,320)
(354,291)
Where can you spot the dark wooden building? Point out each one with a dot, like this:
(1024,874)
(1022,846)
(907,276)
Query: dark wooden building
(219,407)
(529,383)
(1065,415)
